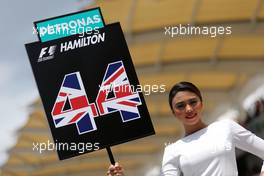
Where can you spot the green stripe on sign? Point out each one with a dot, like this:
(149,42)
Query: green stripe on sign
(70,25)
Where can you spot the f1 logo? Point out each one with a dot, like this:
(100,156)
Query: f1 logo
(51,51)
(72,105)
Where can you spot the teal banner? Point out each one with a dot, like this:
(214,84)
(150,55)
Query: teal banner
(70,24)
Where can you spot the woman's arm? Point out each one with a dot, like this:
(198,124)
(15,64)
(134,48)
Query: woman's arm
(262,170)
(248,141)
(170,163)
(115,170)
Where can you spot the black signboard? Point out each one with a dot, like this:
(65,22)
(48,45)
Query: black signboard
(89,89)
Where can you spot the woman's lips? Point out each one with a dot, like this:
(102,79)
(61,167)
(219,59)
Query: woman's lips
(191,116)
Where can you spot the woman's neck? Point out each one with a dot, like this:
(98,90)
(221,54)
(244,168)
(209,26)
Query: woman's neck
(193,128)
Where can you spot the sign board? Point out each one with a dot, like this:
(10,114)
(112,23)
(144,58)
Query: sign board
(89,89)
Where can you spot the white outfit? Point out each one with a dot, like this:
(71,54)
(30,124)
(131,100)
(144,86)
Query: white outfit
(210,151)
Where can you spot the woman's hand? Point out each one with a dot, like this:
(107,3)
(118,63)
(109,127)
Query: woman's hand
(115,170)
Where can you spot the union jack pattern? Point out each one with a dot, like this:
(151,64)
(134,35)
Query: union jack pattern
(80,111)
(123,99)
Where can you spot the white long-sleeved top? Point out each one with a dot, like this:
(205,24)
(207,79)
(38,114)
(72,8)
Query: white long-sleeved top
(210,151)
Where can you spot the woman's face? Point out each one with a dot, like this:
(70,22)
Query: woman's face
(187,107)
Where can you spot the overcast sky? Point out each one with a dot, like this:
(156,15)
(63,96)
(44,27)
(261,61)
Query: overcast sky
(17,85)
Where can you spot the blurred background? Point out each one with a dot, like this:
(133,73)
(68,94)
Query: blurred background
(227,68)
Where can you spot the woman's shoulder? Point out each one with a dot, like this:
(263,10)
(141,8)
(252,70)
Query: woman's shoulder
(174,147)
(225,126)
(223,122)
(172,150)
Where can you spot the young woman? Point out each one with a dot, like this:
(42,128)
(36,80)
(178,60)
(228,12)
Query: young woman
(205,150)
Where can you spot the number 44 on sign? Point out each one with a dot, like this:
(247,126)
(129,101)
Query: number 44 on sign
(82,113)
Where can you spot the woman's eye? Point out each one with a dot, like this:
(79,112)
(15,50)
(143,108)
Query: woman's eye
(193,102)
(180,106)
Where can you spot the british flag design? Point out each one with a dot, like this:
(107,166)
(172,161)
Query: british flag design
(79,110)
(116,94)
